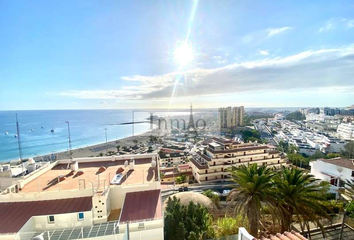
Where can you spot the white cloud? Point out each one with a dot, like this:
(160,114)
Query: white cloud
(264,53)
(274,31)
(309,70)
(220,60)
(337,23)
(350,23)
(327,27)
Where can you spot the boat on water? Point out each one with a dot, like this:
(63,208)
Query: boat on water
(52,130)
(15,136)
(42,127)
(32,129)
(6,133)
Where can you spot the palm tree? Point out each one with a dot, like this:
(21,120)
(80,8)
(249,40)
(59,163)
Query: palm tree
(300,194)
(254,188)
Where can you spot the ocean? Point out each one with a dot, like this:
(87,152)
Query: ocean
(87,127)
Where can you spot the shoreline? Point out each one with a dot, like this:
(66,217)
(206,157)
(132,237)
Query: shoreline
(94,149)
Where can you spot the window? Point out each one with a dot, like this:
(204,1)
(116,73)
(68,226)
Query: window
(51,219)
(141,226)
(352,173)
(80,216)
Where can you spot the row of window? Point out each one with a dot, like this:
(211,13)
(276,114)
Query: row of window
(80,217)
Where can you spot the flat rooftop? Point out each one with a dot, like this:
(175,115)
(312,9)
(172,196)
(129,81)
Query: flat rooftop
(48,181)
(142,205)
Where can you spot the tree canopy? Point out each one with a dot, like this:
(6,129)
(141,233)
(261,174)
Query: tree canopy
(190,222)
(295,116)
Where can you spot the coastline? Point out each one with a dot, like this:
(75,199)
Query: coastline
(94,149)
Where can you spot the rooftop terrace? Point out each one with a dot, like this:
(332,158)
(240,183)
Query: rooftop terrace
(48,181)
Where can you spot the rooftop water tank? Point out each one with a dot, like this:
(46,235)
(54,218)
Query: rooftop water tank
(74,166)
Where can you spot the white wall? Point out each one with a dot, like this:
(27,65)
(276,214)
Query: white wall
(67,220)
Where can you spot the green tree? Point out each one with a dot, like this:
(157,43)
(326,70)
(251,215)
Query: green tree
(118,147)
(298,160)
(135,142)
(229,226)
(333,155)
(192,222)
(295,116)
(180,179)
(283,146)
(349,150)
(213,197)
(318,154)
(300,195)
(254,187)
(251,135)
(350,209)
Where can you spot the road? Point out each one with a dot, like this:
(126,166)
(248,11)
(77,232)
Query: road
(199,188)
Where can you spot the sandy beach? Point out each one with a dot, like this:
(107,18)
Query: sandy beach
(102,148)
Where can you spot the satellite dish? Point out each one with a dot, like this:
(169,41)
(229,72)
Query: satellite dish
(153,164)
(339,169)
(126,163)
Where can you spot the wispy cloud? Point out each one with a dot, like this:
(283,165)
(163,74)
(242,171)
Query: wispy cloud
(220,59)
(261,35)
(263,52)
(350,23)
(274,31)
(337,23)
(327,27)
(326,68)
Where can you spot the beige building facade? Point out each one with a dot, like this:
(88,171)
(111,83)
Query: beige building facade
(231,117)
(221,154)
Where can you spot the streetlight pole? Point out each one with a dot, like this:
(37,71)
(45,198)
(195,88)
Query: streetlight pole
(69,137)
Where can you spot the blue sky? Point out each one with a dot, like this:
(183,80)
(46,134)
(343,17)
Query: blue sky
(119,54)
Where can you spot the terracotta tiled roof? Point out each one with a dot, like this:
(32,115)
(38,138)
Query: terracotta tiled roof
(141,205)
(13,215)
(286,236)
(347,163)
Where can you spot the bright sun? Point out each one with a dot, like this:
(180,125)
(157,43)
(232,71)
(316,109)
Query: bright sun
(183,54)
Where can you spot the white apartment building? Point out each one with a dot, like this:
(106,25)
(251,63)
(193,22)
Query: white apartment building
(346,131)
(308,141)
(213,162)
(335,171)
(231,117)
(94,198)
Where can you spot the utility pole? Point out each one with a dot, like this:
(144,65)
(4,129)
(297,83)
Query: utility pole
(18,138)
(69,137)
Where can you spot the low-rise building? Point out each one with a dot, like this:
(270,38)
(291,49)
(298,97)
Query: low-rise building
(221,154)
(346,131)
(173,158)
(335,171)
(169,174)
(95,198)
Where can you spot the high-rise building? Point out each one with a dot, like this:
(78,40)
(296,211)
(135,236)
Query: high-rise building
(231,117)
